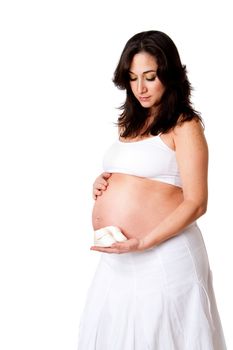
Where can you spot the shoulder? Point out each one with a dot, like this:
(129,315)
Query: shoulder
(191,131)
(187,127)
(189,139)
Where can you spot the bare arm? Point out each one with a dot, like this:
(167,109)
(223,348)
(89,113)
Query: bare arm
(192,158)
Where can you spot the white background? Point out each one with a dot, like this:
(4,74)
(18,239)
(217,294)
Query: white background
(58,106)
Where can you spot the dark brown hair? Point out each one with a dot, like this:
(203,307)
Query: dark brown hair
(175,102)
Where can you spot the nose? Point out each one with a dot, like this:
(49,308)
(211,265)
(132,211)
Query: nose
(141,87)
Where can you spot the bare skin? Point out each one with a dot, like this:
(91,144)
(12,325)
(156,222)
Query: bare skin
(138,205)
(147,211)
(135,205)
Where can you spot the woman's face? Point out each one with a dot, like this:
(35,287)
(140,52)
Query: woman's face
(145,85)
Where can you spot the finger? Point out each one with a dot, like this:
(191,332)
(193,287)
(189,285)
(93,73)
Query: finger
(106,175)
(99,186)
(129,245)
(102,186)
(110,249)
(121,247)
(105,250)
(102,179)
(97,192)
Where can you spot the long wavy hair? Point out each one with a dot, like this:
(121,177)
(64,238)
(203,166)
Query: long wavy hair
(174,107)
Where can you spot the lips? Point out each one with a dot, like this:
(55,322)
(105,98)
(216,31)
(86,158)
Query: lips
(143,98)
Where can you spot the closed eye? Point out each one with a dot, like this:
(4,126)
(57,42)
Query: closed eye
(132,79)
(147,78)
(151,79)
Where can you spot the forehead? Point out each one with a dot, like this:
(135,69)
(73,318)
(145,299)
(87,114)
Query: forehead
(141,62)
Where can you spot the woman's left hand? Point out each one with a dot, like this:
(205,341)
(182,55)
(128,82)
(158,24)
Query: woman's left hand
(130,245)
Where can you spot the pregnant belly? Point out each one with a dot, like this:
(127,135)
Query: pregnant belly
(135,205)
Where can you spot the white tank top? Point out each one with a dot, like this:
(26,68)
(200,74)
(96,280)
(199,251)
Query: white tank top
(150,158)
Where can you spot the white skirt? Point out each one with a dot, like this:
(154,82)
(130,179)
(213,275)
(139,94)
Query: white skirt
(158,299)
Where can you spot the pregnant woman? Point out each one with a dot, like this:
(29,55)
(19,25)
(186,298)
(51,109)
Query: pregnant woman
(153,291)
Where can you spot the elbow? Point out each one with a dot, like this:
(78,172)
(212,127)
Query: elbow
(201,209)
(197,208)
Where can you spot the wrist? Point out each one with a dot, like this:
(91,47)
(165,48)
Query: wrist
(144,244)
(141,245)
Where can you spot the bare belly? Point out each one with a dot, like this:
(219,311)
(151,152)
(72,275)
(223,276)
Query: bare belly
(134,204)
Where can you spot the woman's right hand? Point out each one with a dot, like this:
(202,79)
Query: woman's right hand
(100,184)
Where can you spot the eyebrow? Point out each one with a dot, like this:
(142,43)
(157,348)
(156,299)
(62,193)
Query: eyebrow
(147,71)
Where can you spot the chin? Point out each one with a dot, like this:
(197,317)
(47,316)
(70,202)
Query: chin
(146,104)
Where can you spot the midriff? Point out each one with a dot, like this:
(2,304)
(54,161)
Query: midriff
(134,204)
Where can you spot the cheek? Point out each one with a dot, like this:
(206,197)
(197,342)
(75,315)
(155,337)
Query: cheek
(132,84)
(159,88)
(133,87)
